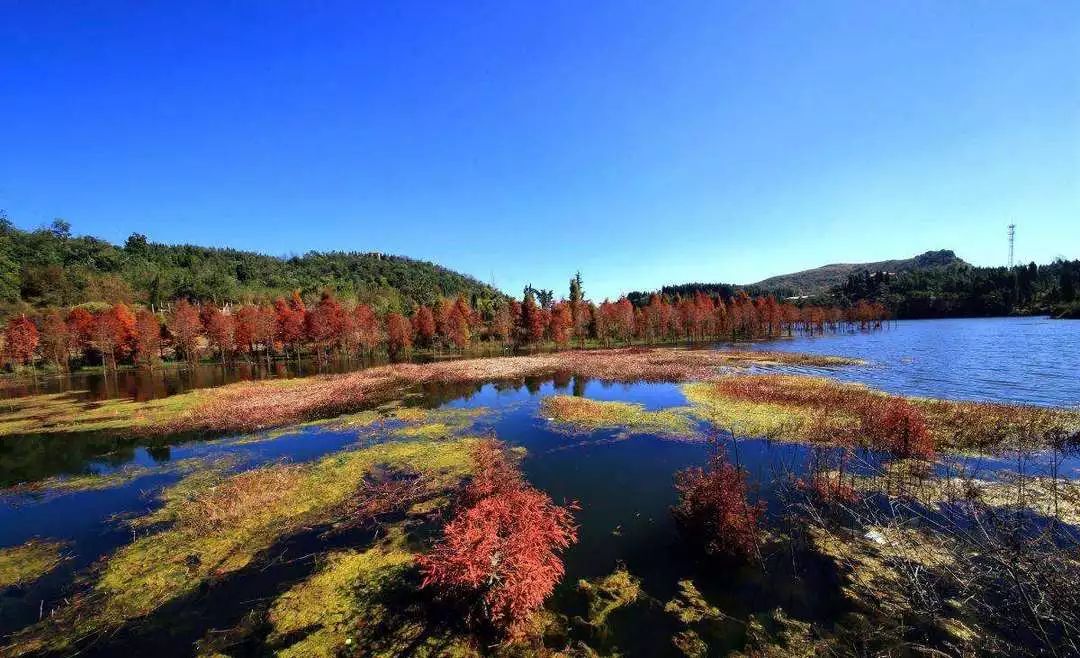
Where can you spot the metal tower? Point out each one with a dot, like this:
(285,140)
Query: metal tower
(1012,238)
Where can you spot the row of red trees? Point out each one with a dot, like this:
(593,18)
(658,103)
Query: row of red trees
(117,333)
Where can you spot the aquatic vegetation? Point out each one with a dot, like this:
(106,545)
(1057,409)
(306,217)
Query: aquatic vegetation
(255,406)
(775,635)
(215,524)
(794,407)
(344,596)
(421,423)
(584,414)
(609,593)
(690,607)
(714,510)
(29,561)
(503,548)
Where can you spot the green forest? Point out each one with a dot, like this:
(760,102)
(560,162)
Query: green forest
(51,267)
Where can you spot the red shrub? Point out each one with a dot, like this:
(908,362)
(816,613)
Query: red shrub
(713,508)
(894,424)
(503,547)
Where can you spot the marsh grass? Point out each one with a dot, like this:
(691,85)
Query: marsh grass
(794,407)
(582,414)
(25,563)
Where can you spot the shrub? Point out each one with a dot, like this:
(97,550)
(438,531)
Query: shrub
(894,424)
(714,509)
(502,547)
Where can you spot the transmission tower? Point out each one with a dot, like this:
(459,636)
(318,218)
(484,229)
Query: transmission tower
(1012,238)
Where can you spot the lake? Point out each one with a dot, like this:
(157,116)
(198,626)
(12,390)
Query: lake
(622,482)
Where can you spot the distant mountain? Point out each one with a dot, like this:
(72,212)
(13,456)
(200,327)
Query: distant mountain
(822,279)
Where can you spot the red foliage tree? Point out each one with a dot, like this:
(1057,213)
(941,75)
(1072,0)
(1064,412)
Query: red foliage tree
(503,546)
(246,321)
(423,322)
(186,329)
(367,328)
(714,509)
(81,328)
(20,339)
(148,338)
(221,330)
(290,322)
(532,321)
(325,325)
(55,339)
(561,324)
(398,334)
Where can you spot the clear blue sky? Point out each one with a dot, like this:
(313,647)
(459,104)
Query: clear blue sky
(642,142)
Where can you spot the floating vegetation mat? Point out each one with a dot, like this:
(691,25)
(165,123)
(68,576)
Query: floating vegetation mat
(584,415)
(20,565)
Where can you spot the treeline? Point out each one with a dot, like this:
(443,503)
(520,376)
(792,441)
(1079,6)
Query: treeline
(109,335)
(51,268)
(956,290)
(965,290)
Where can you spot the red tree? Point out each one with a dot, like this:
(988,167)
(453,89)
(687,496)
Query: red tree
(398,334)
(81,328)
(561,324)
(186,329)
(713,509)
(148,340)
(367,327)
(423,322)
(221,331)
(20,339)
(290,321)
(246,320)
(55,339)
(503,546)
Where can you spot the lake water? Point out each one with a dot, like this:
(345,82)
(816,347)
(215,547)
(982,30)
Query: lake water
(624,484)
(1025,360)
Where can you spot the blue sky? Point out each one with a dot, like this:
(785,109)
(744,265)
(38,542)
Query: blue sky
(643,143)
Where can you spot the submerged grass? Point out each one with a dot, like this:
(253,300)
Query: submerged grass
(609,593)
(583,414)
(27,562)
(215,524)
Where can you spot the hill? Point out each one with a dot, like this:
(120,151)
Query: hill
(822,279)
(51,267)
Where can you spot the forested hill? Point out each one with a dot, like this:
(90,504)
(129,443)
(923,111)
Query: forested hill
(932,285)
(52,267)
(822,279)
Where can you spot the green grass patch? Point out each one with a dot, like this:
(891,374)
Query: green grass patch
(583,414)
